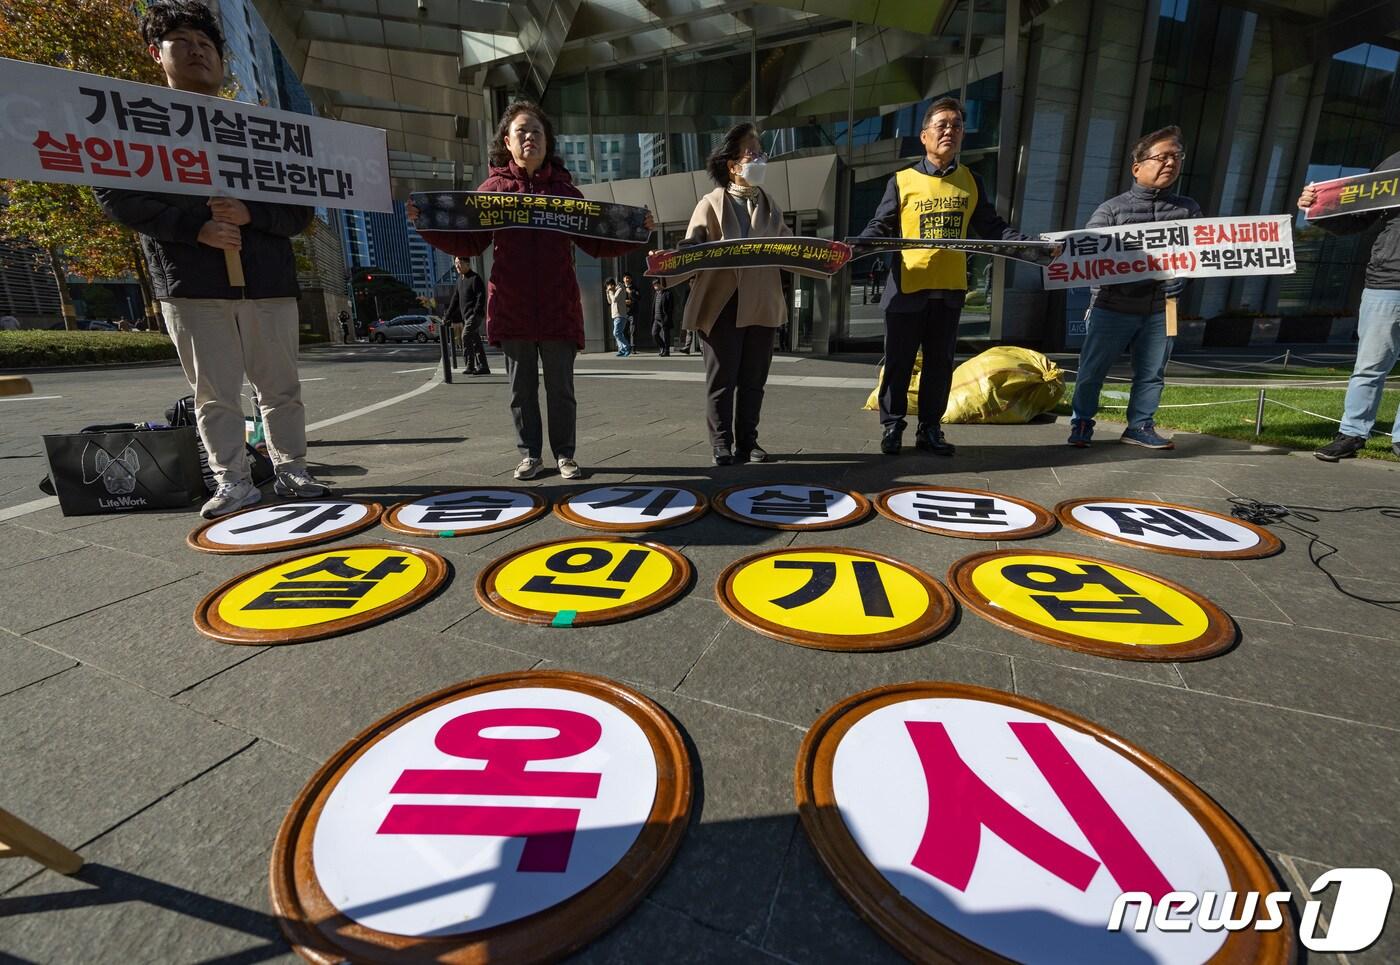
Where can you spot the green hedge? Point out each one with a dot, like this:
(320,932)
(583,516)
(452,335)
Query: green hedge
(31,349)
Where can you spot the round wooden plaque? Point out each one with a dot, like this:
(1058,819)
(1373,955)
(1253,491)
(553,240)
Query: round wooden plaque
(631,509)
(964,513)
(834,598)
(584,581)
(1168,528)
(320,594)
(971,825)
(1091,605)
(403,848)
(465,512)
(792,506)
(284,526)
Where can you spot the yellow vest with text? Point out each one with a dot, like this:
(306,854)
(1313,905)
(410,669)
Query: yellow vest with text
(934,207)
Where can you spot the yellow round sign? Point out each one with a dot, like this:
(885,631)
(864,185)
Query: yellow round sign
(575,582)
(833,598)
(1088,604)
(320,594)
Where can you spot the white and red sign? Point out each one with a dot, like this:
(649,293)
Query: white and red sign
(1198,248)
(1007,827)
(484,811)
(69,127)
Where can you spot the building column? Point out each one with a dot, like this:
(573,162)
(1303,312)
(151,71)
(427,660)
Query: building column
(1009,141)
(1142,84)
(1302,156)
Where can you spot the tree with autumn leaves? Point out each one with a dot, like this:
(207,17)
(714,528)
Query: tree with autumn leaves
(63,221)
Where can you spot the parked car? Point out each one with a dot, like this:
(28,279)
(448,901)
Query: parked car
(406,328)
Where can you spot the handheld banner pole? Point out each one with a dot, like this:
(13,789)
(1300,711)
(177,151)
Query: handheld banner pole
(233,262)
(1171,317)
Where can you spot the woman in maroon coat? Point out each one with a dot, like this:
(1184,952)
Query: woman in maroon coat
(533,311)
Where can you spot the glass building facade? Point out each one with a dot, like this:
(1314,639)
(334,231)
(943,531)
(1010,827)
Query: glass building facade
(1056,93)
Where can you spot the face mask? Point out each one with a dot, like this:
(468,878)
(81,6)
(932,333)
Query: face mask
(753,171)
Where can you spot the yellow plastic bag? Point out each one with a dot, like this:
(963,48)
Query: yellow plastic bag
(1004,385)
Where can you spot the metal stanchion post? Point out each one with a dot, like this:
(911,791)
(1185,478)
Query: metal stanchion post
(445,340)
(1286,354)
(1259,416)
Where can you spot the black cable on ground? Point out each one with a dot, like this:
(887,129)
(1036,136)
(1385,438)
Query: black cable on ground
(1276,514)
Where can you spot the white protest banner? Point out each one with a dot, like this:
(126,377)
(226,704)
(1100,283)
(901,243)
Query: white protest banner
(75,128)
(1200,248)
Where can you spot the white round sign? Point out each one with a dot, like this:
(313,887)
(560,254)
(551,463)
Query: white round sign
(960,511)
(631,508)
(1018,832)
(1167,527)
(293,523)
(791,506)
(484,810)
(464,511)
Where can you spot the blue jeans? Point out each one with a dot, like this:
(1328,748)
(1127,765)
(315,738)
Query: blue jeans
(620,334)
(1108,334)
(1378,344)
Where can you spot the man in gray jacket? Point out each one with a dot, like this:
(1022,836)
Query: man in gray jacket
(1377,324)
(222,332)
(1133,315)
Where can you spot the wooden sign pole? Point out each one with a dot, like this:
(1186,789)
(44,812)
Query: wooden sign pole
(19,840)
(233,261)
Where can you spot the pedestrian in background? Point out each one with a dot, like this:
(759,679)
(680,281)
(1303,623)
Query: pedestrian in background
(1377,324)
(1132,317)
(661,317)
(617,310)
(534,311)
(221,332)
(633,303)
(466,311)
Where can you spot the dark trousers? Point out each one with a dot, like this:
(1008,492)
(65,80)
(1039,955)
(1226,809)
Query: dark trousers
(934,328)
(474,350)
(736,368)
(662,334)
(523,360)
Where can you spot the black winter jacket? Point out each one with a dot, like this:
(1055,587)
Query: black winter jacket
(661,308)
(181,267)
(468,304)
(1383,270)
(1139,205)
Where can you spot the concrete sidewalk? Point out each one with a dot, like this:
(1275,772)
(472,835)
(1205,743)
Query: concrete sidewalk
(168,760)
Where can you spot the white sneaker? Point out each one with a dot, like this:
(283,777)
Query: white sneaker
(569,469)
(299,484)
(230,497)
(529,468)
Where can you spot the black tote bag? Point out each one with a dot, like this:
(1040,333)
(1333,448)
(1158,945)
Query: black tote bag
(120,468)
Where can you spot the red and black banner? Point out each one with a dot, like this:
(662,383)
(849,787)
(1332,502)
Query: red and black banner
(808,254)
(1039,253)
(444,213)
(1355,195)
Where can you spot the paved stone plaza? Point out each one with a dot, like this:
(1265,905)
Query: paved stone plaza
(168,759)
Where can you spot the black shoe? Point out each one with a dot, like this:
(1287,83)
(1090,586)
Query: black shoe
(1395,448)
(930,439)
(893,440)
(723,457)
(469,371)
(753,454)
(482,372)
(1342,447)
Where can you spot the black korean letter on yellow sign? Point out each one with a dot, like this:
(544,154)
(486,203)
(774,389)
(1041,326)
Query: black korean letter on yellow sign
(832,598)
(1091,605)
(577,582)
(320,594)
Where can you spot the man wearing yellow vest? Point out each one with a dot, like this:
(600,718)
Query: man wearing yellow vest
(936,198)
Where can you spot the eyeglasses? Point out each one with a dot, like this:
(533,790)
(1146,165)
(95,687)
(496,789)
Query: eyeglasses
(1179,158)
(760,156)
(943,126)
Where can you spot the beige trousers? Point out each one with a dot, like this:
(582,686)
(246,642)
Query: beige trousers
(221,339)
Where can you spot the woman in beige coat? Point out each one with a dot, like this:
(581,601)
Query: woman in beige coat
(735,311)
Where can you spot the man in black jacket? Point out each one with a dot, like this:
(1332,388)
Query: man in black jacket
(936,198)
(1377,324)
(661,317)
(468,309)
(222,332)
(1132,316)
